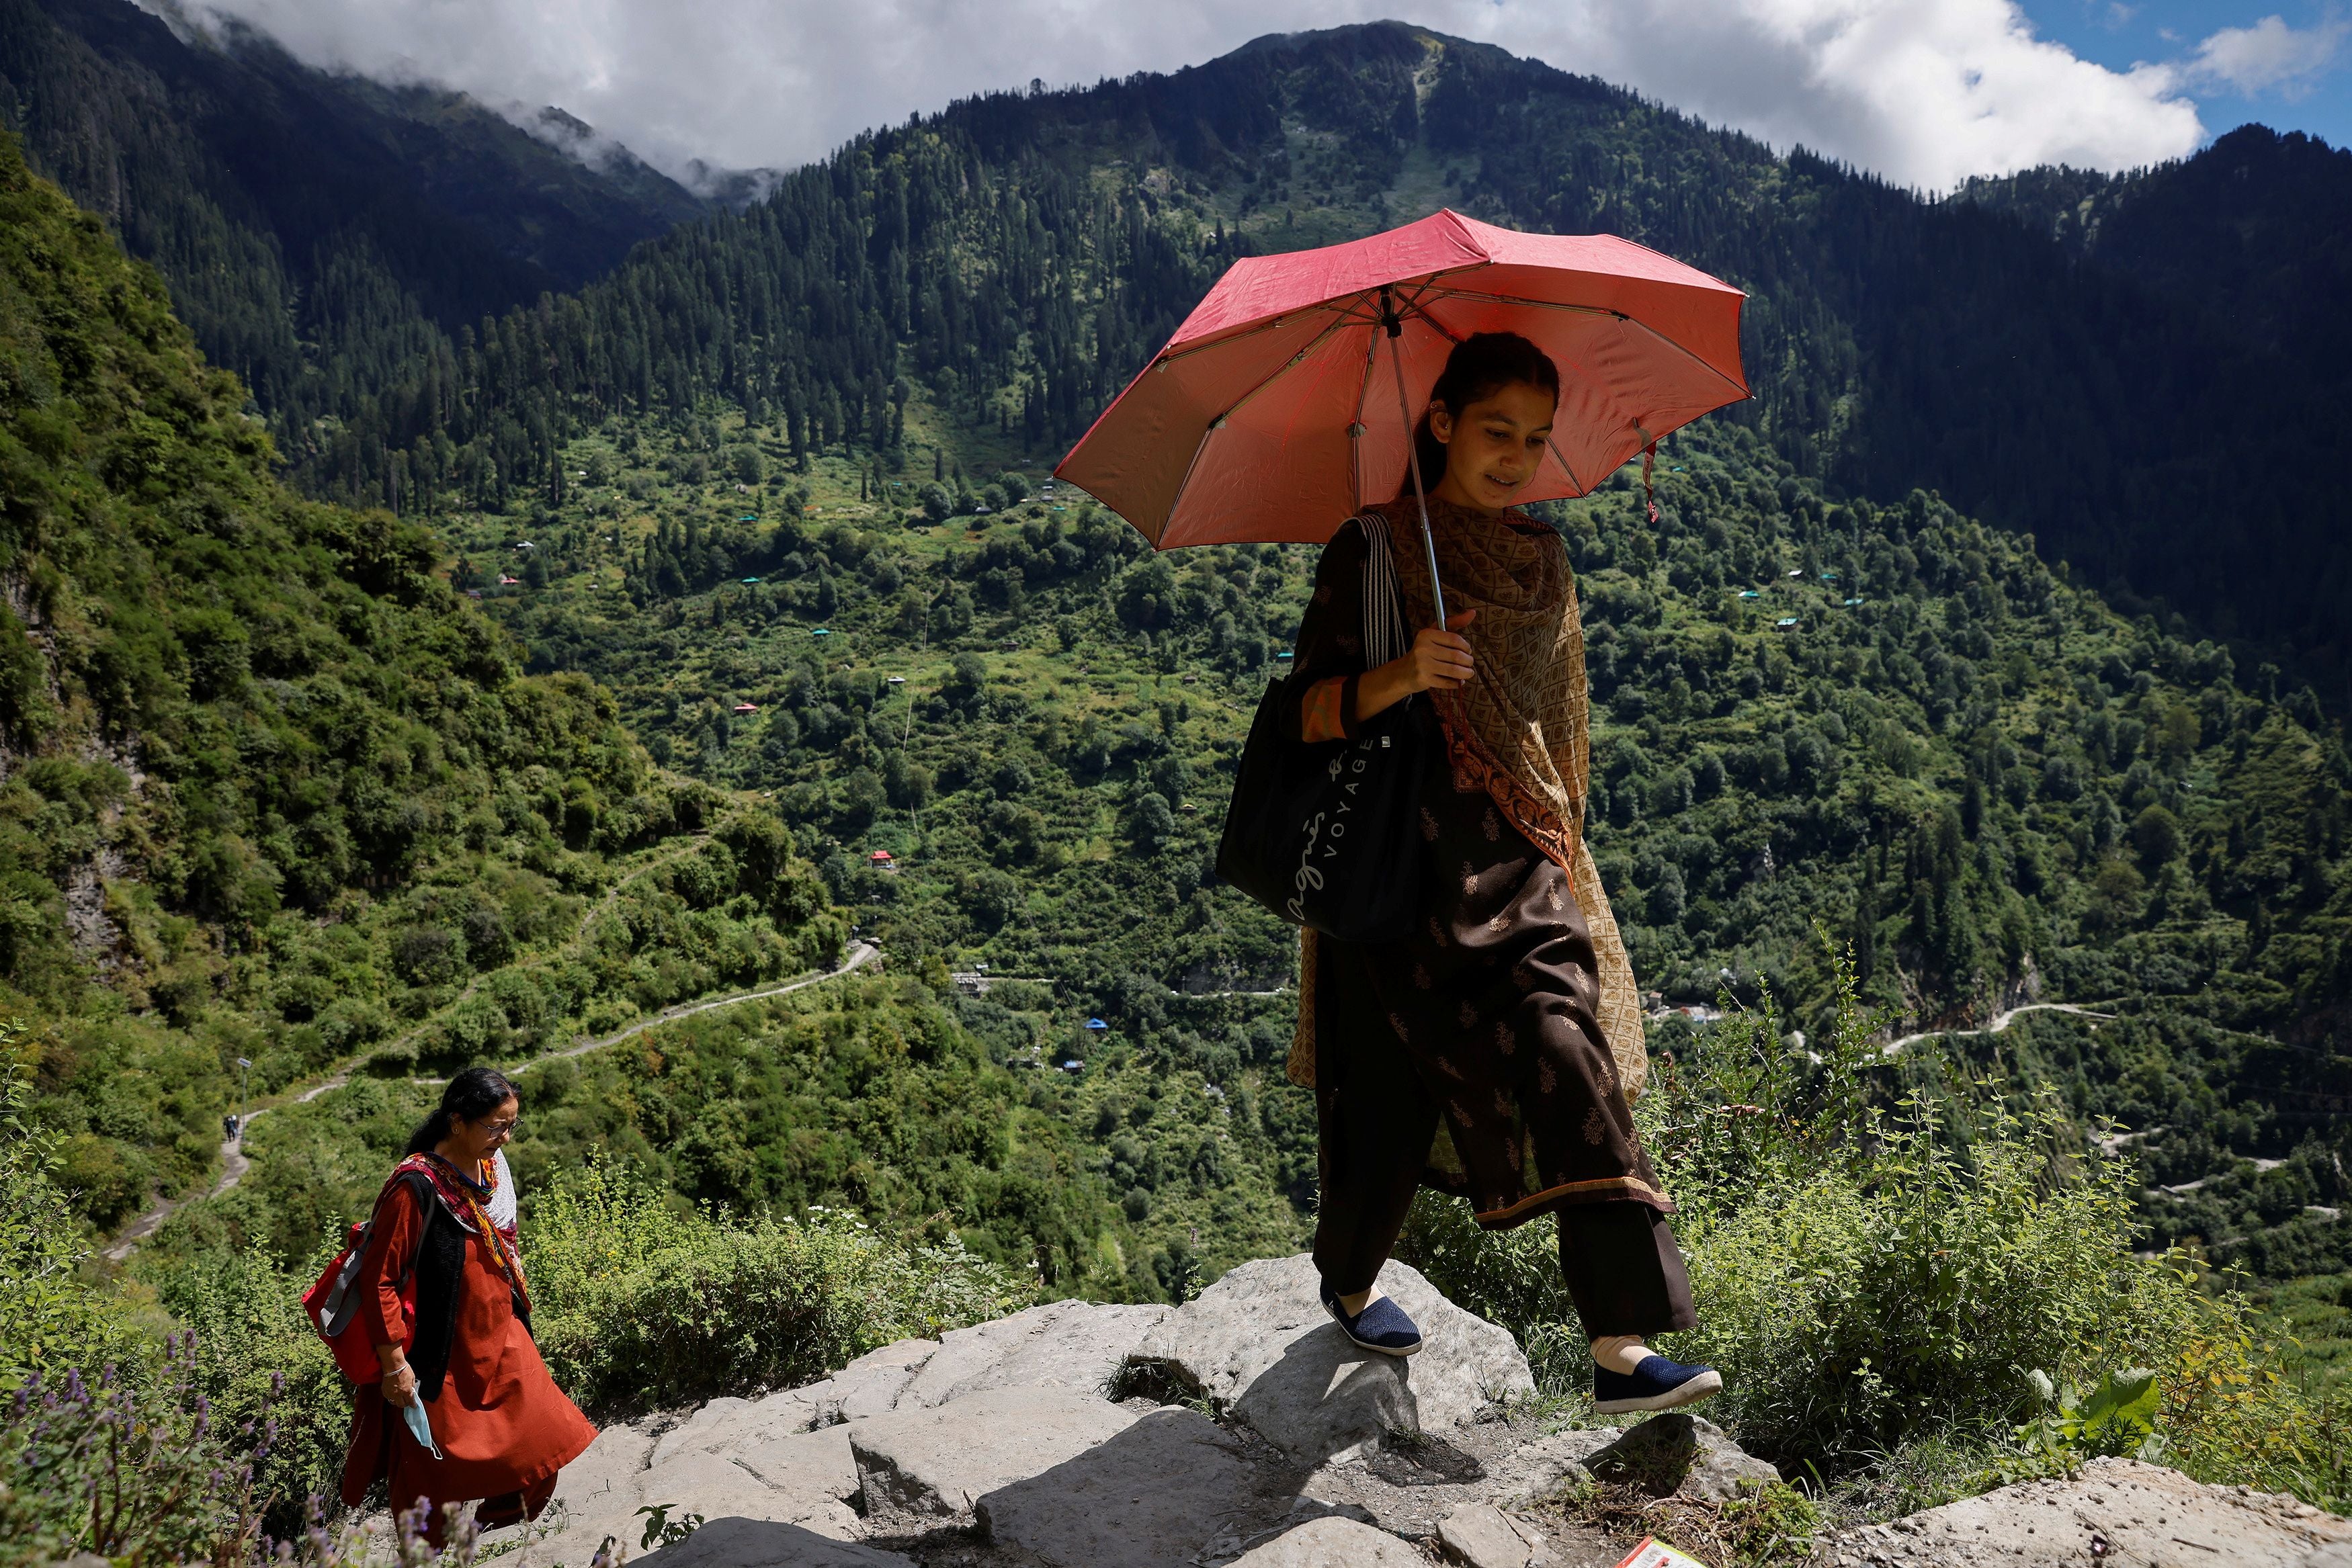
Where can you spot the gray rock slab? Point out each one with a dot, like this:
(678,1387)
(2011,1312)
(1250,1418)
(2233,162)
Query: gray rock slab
(2145,1514)
(803,1480)
(766,1543)
(1063,1344)
(725,1423)
(610,1468)
(1680,1455)
(1477,1535)
(1332,1543)
(708,1429)
(1152,1496)
(799,1464)
(1260,1341)
(595,1495)
(941,1461)
(871,1384)
(1533,1471)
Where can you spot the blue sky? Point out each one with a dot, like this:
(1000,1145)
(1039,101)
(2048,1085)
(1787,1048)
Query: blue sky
(1926,93)
(2319,38)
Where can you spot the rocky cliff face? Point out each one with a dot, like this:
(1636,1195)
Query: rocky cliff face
(1244,1430)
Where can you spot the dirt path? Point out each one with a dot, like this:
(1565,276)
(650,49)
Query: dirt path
(860,955)
(2001,1021)
(234,1164)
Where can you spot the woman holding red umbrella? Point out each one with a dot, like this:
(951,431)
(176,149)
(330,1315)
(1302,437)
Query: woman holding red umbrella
(1472,1056)
(1494,1049)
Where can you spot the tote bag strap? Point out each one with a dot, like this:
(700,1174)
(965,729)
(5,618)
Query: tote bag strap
(1385,638)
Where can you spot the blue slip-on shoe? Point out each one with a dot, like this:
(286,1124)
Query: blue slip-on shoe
(1656,1385)
(1382,1326)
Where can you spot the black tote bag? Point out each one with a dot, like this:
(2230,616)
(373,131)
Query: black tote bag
(1326,835)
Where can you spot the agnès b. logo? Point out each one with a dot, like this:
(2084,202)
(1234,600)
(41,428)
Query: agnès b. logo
(1307,877)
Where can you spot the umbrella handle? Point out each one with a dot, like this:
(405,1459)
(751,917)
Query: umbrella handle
(1389,319)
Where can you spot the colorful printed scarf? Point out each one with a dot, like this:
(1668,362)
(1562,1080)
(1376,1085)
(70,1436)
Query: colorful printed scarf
(484,1209)
(1520,730)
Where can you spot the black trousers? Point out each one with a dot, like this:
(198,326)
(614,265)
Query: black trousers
(1623,1271)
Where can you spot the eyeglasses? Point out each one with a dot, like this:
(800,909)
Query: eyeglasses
(500,1129)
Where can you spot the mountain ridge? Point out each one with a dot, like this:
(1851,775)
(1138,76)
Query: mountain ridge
(1895,342)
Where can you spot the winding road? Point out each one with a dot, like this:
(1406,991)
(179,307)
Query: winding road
(2001,1021)
(234,1164)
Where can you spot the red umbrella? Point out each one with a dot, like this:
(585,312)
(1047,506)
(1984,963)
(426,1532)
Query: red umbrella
(1261,419)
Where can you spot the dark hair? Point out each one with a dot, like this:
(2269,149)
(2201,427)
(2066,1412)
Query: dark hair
(470,1096)
(1480,366)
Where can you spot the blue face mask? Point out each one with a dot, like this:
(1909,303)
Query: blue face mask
(420,1429)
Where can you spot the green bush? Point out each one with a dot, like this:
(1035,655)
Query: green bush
(258,1362)
(138,1475)
(639,1305)
(48,1313)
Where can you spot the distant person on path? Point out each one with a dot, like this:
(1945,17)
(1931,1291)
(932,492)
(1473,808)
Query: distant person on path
(1476,1056)
(228,1128)
(446,1306)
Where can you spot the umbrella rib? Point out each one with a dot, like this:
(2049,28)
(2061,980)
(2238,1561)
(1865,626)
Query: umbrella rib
(1660,337)
(1444,331)
(1185,484)
(1346,307)
(1170,356)
(1485,299)
(1356,426)
(1561,458)
(1287,365)
(1218,423)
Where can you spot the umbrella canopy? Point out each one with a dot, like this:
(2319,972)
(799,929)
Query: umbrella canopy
(1272,415)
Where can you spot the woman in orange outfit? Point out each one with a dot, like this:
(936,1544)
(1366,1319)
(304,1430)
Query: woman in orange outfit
(447,1308)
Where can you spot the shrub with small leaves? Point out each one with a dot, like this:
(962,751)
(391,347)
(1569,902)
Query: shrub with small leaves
(138,1476)
(639,1303)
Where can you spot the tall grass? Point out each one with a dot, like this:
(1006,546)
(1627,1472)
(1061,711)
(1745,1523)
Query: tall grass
(1884,1251)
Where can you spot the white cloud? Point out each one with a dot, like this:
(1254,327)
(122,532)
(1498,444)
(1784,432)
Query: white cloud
(1923,91)
(1927,92)
(2270,54)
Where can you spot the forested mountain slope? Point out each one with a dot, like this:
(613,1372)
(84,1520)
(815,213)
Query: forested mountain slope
(1020,254)
(1889,726)
(271,789)
(2255,231)
(268,787)
(314,229)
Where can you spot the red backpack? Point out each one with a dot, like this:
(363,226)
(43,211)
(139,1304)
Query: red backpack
(332,1305)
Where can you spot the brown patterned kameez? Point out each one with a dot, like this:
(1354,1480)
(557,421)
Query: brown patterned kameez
(1472,1057)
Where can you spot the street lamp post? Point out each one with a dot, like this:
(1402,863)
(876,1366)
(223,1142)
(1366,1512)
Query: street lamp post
(244,1094)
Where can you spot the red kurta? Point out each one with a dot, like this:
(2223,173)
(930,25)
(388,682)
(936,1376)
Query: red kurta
(502,1424)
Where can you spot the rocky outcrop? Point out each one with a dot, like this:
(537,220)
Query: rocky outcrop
(1280,1446)
(1480,1535)
(1260,1342)
(2116,1511)
(1160,1490)
(1332,1543)
(1680,1455)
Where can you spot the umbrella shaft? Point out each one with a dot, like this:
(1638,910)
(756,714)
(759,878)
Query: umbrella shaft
(1412,461)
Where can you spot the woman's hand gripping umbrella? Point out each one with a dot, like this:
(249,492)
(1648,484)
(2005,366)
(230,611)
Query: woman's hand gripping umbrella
(1468,1017)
